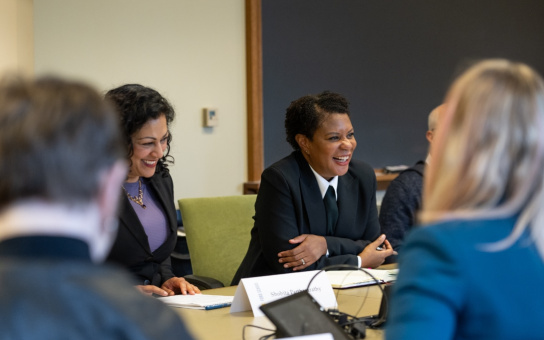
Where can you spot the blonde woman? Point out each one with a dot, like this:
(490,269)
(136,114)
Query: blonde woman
(475,270)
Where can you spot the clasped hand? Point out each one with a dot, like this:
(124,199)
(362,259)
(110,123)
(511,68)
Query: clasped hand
(375,253)
(310,248)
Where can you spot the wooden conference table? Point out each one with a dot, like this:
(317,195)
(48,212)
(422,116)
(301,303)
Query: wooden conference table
(221,324)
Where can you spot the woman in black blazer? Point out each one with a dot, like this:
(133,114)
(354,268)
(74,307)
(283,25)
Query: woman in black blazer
(147,215)
(294,230)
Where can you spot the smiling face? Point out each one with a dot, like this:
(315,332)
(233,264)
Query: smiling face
(331,148)
(149,144)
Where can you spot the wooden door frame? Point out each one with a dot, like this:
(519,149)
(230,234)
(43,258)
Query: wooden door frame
(254,88)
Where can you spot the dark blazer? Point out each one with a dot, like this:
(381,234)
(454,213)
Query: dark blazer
(289,204)
(131,247)
(52,290)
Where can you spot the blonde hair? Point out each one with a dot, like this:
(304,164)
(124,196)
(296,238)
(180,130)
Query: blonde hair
(490,150)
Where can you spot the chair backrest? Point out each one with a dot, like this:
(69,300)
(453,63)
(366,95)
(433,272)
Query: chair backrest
(218,233)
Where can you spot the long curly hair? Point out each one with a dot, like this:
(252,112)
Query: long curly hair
(136,105)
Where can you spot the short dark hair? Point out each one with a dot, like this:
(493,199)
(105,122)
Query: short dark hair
(56,137)
(136,105)
(305,115)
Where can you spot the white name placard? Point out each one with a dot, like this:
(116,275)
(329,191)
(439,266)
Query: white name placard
(256,291)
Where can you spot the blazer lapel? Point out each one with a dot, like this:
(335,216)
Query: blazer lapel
(164,201)
(347,199)
(131,221)
(311,198)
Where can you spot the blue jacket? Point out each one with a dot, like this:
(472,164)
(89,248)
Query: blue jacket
(450,288)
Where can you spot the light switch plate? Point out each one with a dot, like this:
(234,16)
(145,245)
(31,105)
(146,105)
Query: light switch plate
(210,117)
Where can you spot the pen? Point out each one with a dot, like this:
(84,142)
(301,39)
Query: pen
(219,305)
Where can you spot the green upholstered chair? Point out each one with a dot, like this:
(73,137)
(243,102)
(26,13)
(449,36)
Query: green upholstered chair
(218,234)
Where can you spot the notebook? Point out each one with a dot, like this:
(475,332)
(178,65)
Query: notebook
(357,278)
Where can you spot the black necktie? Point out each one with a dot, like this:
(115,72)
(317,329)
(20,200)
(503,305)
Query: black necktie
(331,209)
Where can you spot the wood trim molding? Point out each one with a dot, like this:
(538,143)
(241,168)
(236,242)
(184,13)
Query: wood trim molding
(254,78)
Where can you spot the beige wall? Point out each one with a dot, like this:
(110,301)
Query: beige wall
(16,42)
(193,52)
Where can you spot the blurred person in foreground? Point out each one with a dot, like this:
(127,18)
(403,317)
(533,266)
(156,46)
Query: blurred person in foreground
(475,269)
(61,166)
(317,206)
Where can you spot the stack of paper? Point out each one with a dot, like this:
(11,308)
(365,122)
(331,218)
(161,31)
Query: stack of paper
(356,278)
(197,301)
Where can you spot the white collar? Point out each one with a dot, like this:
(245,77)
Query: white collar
(35,217)
(324,184)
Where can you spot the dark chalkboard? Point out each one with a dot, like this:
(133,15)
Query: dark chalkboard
(392,59)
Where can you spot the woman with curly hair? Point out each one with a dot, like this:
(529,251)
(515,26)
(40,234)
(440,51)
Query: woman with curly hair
(147,215)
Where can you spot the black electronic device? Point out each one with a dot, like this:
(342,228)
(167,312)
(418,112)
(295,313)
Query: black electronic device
(299,314)
(380,319)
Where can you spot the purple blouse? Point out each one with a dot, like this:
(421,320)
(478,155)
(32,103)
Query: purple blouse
(152,217)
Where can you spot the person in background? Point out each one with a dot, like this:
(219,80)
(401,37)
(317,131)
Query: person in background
(402,199)
(61,165)
(475,270)
(147,216)
(316,207)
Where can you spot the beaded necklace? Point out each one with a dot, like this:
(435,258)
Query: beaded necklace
(140,198)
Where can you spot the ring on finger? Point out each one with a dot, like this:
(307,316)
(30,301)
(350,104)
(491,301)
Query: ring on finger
(303,262)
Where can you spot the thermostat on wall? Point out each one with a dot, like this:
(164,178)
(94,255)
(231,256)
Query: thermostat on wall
(210,117)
